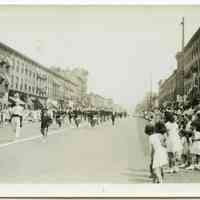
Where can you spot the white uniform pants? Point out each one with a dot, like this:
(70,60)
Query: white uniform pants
(16,126)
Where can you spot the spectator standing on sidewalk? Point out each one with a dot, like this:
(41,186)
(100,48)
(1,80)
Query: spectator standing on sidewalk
(195,146)
(174,146)
(158,150)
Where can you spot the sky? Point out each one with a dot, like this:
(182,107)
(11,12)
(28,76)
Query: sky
(120,46)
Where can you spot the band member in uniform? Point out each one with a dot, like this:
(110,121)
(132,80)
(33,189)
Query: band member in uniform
(113,118)
(17,118)
(58,118)
(45,122)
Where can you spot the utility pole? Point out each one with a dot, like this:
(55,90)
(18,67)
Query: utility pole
(183,33)
(183,45)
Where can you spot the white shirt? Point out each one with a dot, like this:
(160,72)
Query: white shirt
(17,110)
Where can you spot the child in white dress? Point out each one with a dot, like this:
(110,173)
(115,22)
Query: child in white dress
(158,151)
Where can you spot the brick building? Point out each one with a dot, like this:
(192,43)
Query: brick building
(187,81)
(192,64)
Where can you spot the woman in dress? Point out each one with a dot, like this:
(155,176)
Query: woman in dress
(173,141)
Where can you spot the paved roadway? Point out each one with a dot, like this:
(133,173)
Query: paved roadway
(104,154)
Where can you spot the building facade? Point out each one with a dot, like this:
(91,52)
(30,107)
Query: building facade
(4,82)
(187,74)
(34,81)
(192,64)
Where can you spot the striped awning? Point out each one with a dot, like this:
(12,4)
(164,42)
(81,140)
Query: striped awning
(17,100)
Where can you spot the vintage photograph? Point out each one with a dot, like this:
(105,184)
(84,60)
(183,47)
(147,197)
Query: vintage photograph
(99,94)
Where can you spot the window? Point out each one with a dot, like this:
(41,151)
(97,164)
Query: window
(25,86)
(17,79)
(17,82)
(22,69)
(21,85)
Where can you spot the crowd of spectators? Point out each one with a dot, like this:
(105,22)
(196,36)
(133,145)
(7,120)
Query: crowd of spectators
(174,133)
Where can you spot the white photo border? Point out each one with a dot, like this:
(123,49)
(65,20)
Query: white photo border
(146,191)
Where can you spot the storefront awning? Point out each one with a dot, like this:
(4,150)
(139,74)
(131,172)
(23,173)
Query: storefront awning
(17,100)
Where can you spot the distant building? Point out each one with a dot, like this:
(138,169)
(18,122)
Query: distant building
(79,77)
(97,101)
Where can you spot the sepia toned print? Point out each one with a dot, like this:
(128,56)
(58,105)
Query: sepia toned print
(99,94)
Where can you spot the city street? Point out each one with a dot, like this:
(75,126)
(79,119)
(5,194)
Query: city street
(104,154)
